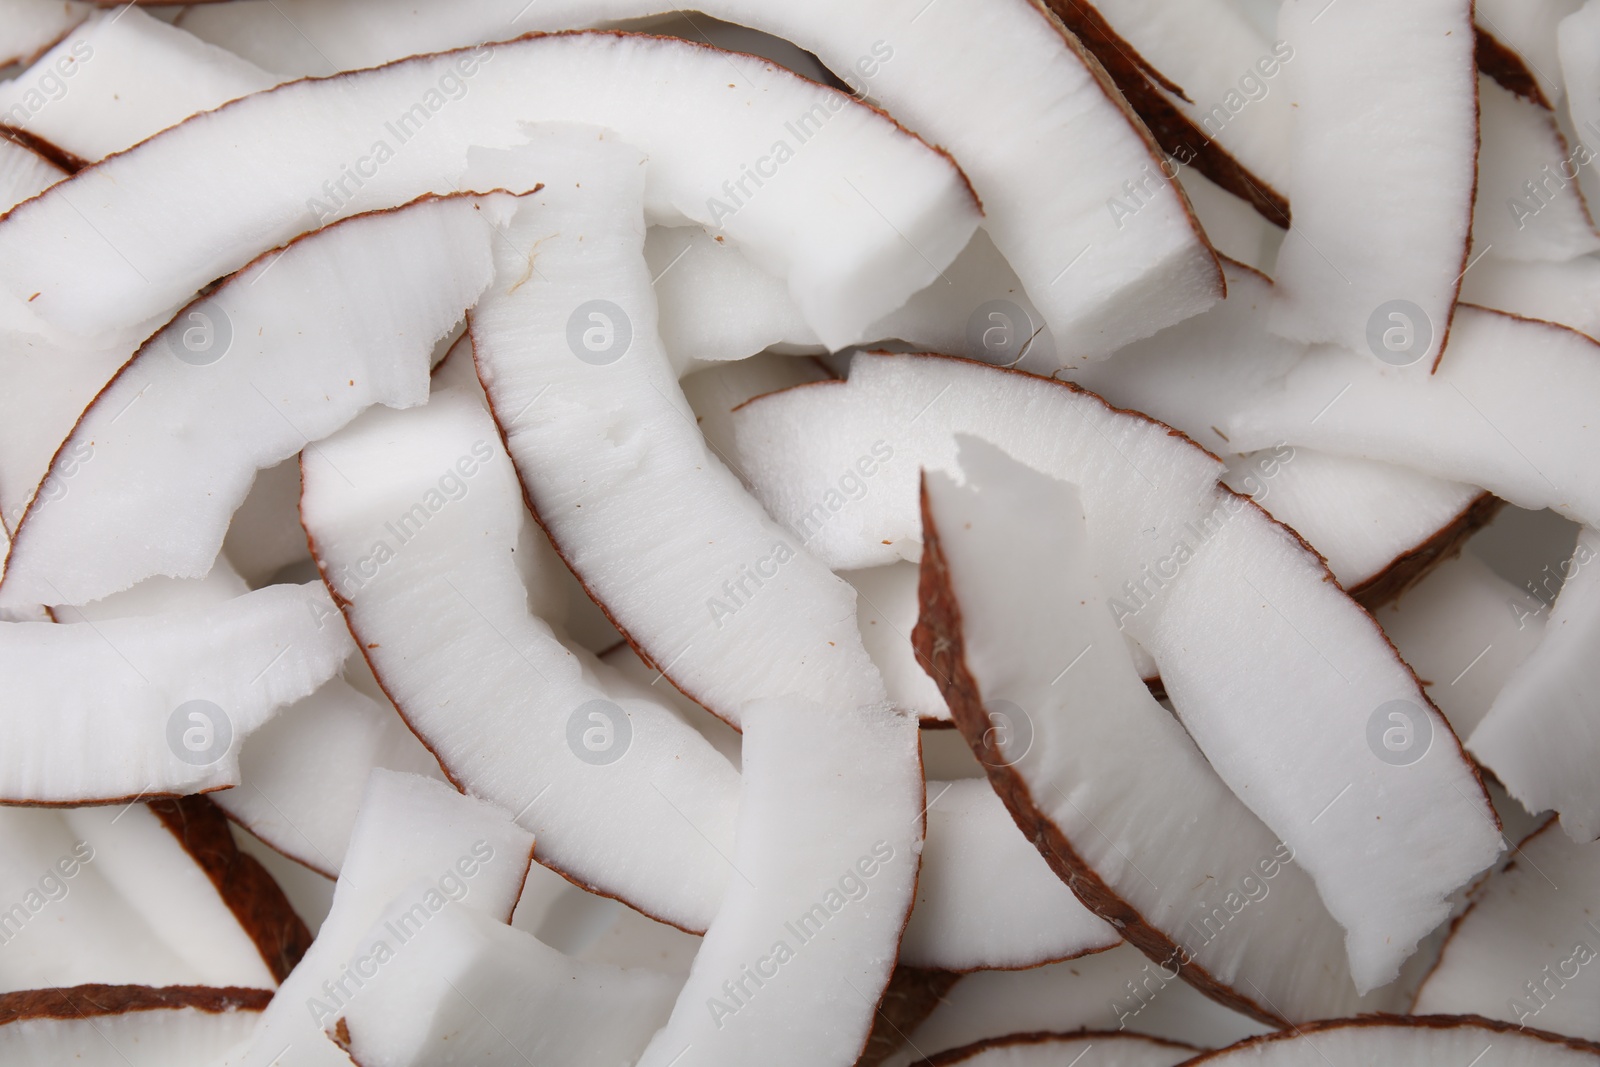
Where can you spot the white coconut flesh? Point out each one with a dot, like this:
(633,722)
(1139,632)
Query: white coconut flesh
(541,1006)
(31,26)
(1040,1050)
(418,849)
(108,895)
(1428,1041)
(1349,253)
(810,926)
(240,380)
(127,1026)
(725,602)
(1556,292)
(855,225)
(24,174)
(1045,188)
(113,710)
(1540,736)
(1214,553)
(1047,734)
(129,75)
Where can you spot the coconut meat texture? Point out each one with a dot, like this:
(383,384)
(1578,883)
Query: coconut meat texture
(1173,550)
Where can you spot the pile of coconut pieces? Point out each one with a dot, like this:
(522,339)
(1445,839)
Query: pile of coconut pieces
(971,531)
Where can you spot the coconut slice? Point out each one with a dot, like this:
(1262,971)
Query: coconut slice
(23,174)
(418,848)
(1044,1050)
(1529,203)
(1168,588)
(1465,630)
(1109,837)
(722,600)
(239,382)
(1382,97)
(825,860)
(143,707)
(31,26)
(1480,419)
(126,76)
(468,989)
(101,895)
(1426,1041)
(1540,736)
(1522,951)
(127,1026)
(855,224)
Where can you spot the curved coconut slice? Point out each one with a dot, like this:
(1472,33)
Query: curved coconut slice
(469,989)
(1529,203)
(956,924)
(1562,293)
(1048,1050)
(23,174)
(1465,630)
(31,26)
(281,355)
(1099,279)
(825,855)
(1169,588)
(101,895)
(126,76)
(1426,1041)
(1481,419)
(418,848)
(1540,737)
(886,611)
(1522,951)
(301,776)
(1219,104)
(98,712)
(127,1026)
(721,599)
(855,224)
(1090,765)
(423,545)
(1384,101)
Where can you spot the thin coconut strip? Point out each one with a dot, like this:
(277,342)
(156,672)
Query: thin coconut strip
(683,560)
(1091,766)
(615,786)
(856,219)
(419,848)
(127,75)
(465,968)
(1482,418)
(1419,1041)
(1180,553)
(1028,112)
(1051,1050)
(1385,97)
(276,358)
(1540,738)
(100,712)
(1521,952)
(115,1026)
(825,858)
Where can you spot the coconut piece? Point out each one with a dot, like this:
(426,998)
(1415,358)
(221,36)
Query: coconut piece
(1425,1041)
(145,707)
(1043,1050)
(825,858)
(127,1026)
(467,987)
(1108,837)
(1382,96)
(1481,419)
(1529,202)
(1540,736)
(1465,630)
(31,26)
(722,600)
(417,849)
(1168,588)
(239,382)
(856,224)
(126,76)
